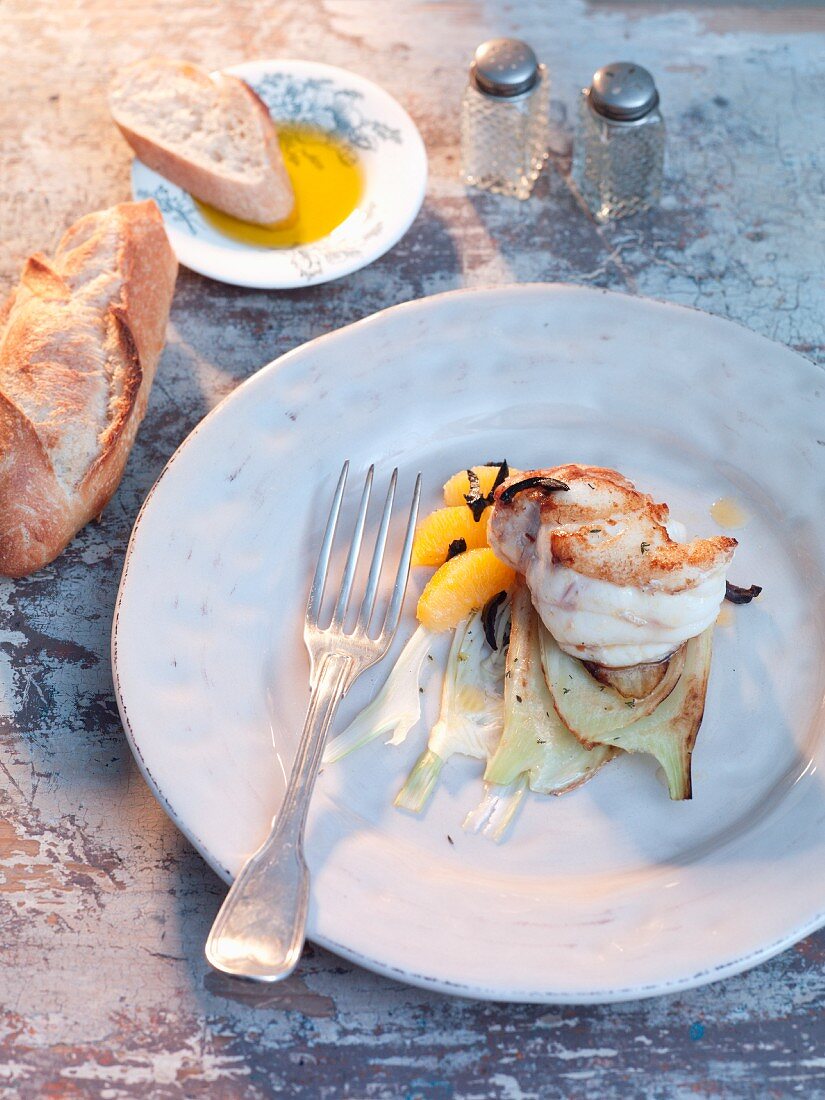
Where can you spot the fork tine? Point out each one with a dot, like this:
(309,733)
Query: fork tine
(319,580)
(354,550)
(402,576)
(368,602)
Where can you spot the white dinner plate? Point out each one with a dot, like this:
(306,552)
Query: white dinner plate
(609,892)
(389,149)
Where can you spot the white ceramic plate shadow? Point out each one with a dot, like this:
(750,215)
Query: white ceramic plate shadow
(389,149)
(610,892)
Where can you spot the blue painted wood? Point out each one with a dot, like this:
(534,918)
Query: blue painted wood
(103,906)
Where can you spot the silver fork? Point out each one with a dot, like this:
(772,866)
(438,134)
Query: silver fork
(259,931)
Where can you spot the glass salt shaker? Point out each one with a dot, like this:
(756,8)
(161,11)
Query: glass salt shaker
(618,157)
(504,118)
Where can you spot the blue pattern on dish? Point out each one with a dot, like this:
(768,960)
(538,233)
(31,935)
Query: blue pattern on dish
(320,102)
(176,204)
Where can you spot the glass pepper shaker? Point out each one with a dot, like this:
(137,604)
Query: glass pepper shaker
(618,157)
(504,118)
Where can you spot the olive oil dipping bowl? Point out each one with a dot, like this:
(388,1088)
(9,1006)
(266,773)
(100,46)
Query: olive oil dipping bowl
(358,167)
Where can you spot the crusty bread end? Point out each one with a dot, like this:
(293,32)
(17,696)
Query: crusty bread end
(212,136)
(80,340)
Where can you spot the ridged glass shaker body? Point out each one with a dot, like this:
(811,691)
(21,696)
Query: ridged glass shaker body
(618,156)
(504,119)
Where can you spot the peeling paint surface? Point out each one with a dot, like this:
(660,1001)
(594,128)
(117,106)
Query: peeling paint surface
(103,906)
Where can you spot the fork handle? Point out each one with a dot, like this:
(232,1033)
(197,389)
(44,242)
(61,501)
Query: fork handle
(259,931)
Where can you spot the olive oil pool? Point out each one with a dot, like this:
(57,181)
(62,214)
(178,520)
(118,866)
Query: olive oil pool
(328,182)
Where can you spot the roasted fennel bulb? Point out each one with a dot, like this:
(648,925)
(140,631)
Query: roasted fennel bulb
(589,708)
(395,709)
(535,740)
(667,731)
(470,720)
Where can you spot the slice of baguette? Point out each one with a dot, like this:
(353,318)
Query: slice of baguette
(212,136)
(80,339)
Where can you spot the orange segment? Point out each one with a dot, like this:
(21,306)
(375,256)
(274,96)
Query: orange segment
(460,586)
(440,528)
(459,484)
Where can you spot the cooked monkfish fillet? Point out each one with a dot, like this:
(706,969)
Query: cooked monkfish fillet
(606,567)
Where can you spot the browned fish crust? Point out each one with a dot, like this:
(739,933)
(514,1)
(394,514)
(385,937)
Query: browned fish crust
(607,529)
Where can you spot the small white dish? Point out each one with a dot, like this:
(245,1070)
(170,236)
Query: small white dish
(612,891)
(391,154)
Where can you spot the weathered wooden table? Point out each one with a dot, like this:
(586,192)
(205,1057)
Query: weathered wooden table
(104,907)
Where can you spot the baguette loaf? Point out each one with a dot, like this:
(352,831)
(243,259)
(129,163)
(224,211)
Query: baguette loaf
(80,339)
(211,136)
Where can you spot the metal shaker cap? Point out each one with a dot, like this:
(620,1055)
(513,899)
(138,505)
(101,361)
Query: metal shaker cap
(623,91)
(504,67)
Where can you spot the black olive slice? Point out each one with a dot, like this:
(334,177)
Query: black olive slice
(538,481)
(489,616)
(456,547)
(735,594)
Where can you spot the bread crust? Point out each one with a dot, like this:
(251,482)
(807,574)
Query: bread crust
(80,341)
(262,201)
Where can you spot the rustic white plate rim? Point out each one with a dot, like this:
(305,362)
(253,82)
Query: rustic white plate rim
(496,990)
